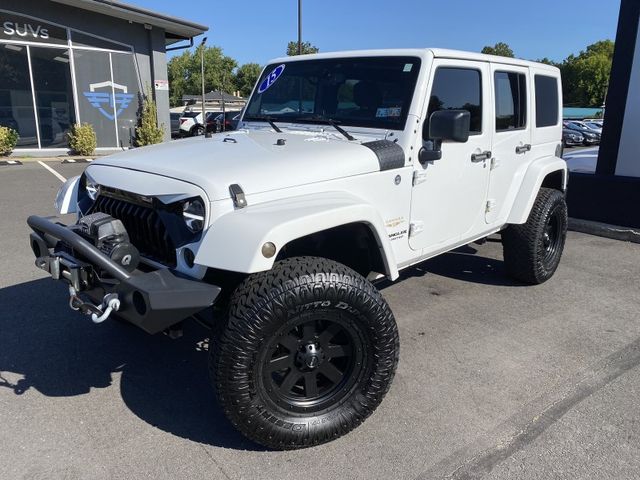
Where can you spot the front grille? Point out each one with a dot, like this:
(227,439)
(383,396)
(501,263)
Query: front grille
(144,226)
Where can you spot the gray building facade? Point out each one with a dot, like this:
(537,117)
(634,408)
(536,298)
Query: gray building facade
(83,61)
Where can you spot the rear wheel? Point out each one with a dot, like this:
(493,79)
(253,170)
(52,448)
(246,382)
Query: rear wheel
(309,351)
(197,130)
(532,251)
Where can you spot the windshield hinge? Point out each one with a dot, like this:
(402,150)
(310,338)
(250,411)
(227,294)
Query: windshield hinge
(415,228)
(237,195)
(419,177)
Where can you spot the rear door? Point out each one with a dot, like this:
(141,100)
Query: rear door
(449,194)
(511,126)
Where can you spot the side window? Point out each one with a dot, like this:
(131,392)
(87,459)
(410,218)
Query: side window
(511,101)
(458,89)
(547,108)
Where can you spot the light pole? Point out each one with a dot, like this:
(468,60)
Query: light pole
(299,27)
(204,116)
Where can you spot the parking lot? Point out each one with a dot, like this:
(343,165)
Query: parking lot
(496,380)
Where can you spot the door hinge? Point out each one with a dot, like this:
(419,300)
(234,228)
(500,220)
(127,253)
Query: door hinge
(491,204)
(495,163)
(415,228)
(419,177)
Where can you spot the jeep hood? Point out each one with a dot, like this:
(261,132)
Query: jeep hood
(256,160)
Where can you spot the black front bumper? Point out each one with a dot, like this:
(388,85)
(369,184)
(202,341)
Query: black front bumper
(152,300)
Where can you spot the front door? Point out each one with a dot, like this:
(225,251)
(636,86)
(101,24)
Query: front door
(448,200)
(511,139)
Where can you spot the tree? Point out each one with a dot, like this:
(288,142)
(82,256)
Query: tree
(148,132)
(246,77)
(501,49)
(292,48)
(585,77)
(185,75)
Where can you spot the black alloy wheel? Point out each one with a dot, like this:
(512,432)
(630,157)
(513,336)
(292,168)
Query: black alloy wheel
(313,361)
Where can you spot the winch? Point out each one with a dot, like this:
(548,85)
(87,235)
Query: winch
(110,237)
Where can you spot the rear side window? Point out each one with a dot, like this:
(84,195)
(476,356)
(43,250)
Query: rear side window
(458,89)
(511,101)
(547,109)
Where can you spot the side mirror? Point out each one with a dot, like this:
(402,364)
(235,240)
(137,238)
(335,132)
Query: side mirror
(444,125)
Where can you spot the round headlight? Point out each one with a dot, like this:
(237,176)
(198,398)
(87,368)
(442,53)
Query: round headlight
(193,214)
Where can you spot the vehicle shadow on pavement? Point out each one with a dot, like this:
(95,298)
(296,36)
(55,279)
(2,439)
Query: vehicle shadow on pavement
(61,353)
(464,264)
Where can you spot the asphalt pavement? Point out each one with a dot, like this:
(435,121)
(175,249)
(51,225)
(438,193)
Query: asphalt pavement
(496,380)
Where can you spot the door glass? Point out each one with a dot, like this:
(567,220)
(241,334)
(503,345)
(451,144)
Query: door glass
(16,102)
(95,94)
(54,95)
(458,89)
(511,101)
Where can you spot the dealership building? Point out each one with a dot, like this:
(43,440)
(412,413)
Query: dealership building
(83,61)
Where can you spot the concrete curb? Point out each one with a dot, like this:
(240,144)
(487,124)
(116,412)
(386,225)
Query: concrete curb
(61,159)
(626,234)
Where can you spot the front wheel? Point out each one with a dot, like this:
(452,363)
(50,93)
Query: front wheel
(309,351)
(532,251)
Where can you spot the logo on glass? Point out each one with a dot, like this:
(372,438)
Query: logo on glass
(116,97)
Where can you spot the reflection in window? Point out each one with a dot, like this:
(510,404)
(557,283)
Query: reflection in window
(458,89)
(511,101)
(127,91)
(16,102)
(54,95)
(95,94)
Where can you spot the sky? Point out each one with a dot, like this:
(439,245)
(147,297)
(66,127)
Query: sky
(258,30)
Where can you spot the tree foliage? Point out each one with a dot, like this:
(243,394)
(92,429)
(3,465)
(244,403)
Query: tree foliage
(246,77)
(585,77)
(185,77)
(148,132)
(307,48)
(500,49)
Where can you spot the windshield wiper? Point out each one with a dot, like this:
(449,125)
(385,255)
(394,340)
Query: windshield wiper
(325,121)
(264,118)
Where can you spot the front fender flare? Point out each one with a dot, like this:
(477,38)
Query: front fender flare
(531,184)
(234,241)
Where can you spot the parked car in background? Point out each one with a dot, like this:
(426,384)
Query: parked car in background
(591,137)
(230,119)
(571,138)
(191,123)
(175,124)
(597,127)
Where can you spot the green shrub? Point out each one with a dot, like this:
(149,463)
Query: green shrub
(8,140)
(148,132)
(82,139)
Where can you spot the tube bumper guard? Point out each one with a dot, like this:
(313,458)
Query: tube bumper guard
(153,300)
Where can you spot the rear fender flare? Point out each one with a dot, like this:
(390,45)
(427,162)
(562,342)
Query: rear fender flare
(535,175)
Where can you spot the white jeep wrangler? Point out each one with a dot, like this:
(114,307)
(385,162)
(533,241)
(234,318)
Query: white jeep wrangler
(346,168)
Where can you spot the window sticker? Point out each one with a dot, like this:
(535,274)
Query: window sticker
(393,112)
(408,67)
(271,78)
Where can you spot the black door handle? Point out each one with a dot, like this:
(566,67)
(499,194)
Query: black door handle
(523,148)
(479,157)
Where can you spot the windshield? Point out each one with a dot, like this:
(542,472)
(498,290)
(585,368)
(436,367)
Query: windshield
(373,92)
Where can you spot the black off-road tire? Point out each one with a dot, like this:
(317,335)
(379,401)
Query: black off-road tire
(272,313)
(532,250)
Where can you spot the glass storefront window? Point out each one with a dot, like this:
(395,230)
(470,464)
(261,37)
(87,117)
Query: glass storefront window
(16,101)
(54,95)
(37,96)
(95,94)
(127,93)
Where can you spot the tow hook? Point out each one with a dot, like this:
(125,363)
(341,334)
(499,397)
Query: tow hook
(99,314)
